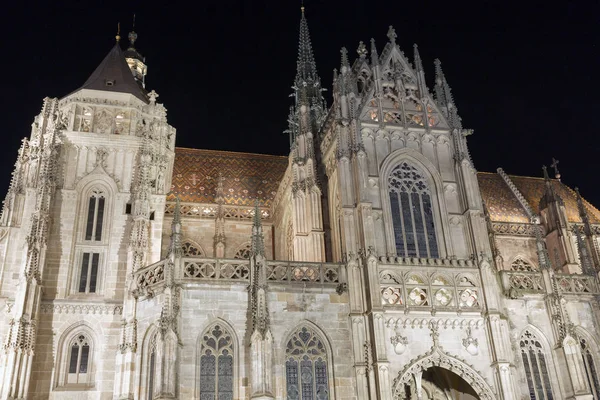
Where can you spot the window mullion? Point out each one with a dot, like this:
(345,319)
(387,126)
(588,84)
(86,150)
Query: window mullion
(414,230)
(537,359)
(79,350)
(402,224)
(424,223)
(89,273)
(95,221)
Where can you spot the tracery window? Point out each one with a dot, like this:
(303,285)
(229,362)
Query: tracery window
(519,264)
(89,273)
(79,358)
(244,251)
(412,212)
(95,216)
(536,370)
(306,372)
(590,368)
(216,364)
(151,368)
(191,249)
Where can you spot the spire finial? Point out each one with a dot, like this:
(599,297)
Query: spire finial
(545,169)
(374,55)
(302,7)
(555,166)
(362,50)
(118,37)
(258,243)
(392,35)
(345,62)
(132,35)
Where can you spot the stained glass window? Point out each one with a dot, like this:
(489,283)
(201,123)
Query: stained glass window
(536,370)
(95,216)
(590,369)
(79,358)
(216,364)
(412,213)
(306,367)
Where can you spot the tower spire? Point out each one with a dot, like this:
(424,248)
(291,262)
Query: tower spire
(136,62)
(118,36)
(443,95)
(258,240)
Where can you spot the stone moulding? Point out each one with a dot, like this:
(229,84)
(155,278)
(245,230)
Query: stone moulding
(512,229)
(78,308)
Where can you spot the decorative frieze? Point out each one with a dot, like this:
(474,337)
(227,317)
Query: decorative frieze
(81,308)
(210,211)
(513,229)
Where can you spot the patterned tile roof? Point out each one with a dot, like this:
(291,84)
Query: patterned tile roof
(503,206)
(246,176)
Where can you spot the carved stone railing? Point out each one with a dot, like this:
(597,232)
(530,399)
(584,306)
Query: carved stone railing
(432,262)
(211,269)
(517,283)
(441,288)
(577,284)
(198,210)
(513,229)
(304,272)
(150,276)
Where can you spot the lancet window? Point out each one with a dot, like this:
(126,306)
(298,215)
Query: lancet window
(590,368)
(306,369)
(536,369)
(151,368)
(95,216)
(89,273)
(79,359)
(412,212)
(216,364)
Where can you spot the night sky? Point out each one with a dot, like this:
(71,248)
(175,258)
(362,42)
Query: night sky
(524,76)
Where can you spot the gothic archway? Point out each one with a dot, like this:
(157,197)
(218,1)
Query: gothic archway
(441,361)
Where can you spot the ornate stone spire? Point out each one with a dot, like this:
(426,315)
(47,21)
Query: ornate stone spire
(420,72)
(550,195)
(134,59)
(443,96)
(258,240)
(175,245)
(587,227)
(589,262)
(306,65)
(219,238)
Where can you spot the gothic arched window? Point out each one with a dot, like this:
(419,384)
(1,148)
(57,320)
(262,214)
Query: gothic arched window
(95,216)
(151,367)
(216,364)
(590,368)
(244,251)
(412,212)
(191,249)
(79,358)
(306,374)
(536,370)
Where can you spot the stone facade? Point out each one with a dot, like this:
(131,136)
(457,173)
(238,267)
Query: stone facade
(372,263)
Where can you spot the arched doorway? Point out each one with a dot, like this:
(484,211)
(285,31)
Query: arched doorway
(440,384)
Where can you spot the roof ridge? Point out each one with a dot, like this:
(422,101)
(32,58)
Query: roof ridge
(230,152)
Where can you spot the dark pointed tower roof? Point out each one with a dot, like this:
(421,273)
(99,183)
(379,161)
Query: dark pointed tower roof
(306,67)
(114,75)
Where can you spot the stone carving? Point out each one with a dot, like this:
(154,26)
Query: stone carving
(470,343)
(399,342)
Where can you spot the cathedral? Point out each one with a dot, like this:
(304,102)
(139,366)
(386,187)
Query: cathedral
(372,262)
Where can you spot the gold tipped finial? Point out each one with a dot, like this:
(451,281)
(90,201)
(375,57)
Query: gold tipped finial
(302,7)
(118,37)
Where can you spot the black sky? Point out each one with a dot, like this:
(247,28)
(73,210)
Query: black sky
(525,75)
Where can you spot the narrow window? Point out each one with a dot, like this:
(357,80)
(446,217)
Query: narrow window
(536,370)
(89,272)
(79,360)
(412,213)
(216,364)
(151,368)
(306,374)
(128,208)
(95,216)
(590,369)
